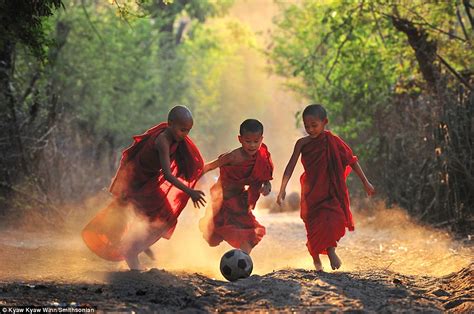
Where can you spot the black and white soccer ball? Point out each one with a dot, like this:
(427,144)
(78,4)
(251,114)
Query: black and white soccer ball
(236,264)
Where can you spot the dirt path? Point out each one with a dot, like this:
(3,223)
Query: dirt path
(291,289)
(390,264)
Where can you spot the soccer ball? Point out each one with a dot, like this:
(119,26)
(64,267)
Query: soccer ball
(236,264)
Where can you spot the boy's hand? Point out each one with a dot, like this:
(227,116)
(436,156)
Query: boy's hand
(369,188)
(266,188)
(197,197)
(281,197)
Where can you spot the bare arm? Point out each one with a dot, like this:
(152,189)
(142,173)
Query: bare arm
(367,186)
(219,162)
(162,144)
(290,167)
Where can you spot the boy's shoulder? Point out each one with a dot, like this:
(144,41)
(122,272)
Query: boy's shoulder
(230,156)
(264,147)
(337,138)
(162,138)
(303,141)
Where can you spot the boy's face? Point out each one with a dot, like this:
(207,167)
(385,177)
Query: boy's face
(314,125)
(251,142)
(180,129)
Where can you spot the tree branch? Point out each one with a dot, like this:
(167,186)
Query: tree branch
(339,49)
(425,50)
(426,23)
(312,55)
(378,25)
(90,22)
(468,7)
(454,72)
(458,14)
(29,88)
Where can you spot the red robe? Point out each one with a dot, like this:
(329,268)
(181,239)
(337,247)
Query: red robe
(140,184)
(325,206)
(230,218)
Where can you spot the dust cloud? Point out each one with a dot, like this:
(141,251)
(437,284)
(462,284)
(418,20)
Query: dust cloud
(384,239)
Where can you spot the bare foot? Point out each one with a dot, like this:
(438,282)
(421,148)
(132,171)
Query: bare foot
(150,254)
(317,264)
(333,258)
(133,263)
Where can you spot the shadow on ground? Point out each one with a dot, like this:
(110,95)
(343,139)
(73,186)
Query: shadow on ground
(288,289)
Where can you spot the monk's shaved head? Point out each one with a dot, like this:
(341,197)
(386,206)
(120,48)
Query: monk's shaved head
(252,126)
(180,114)
(315,110)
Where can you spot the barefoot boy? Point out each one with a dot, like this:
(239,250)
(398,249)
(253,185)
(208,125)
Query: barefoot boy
(324,196)
(155,179)
(230,217)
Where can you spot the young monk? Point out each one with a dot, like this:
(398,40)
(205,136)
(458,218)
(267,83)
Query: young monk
(155,179)
(327,161)
(230,216)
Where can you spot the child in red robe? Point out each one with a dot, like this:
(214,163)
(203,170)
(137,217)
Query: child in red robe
(155,180)
(245,172)
(327,161)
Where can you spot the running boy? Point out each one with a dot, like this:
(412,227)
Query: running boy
(327,161)
(230,216)
(155,180)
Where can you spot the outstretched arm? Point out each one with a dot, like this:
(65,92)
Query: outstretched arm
(290,167)
(162,144)
(367,186)
(219,162)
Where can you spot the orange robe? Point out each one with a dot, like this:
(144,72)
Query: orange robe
(140,187)
(230,217)
(325,206)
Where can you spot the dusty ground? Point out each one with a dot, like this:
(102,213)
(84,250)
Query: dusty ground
(289,289)
(390,264)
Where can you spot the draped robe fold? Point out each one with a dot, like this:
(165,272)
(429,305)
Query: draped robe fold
(230,217)
(325,207)
(146,206)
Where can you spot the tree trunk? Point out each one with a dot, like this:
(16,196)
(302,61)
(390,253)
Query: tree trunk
(8,103)
(425,50)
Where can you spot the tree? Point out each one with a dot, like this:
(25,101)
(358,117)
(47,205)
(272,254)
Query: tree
(21,23)
(103,78)
(396,75)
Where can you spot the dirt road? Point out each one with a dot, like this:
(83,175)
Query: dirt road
(390,264)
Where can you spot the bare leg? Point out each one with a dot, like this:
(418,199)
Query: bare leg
(133,262)
(333,258)
(150,254)
(317,263)
(246,247)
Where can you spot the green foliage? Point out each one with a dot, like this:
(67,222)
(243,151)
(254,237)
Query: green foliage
(117,79)
(348,55)
(166,11)
(21,21)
